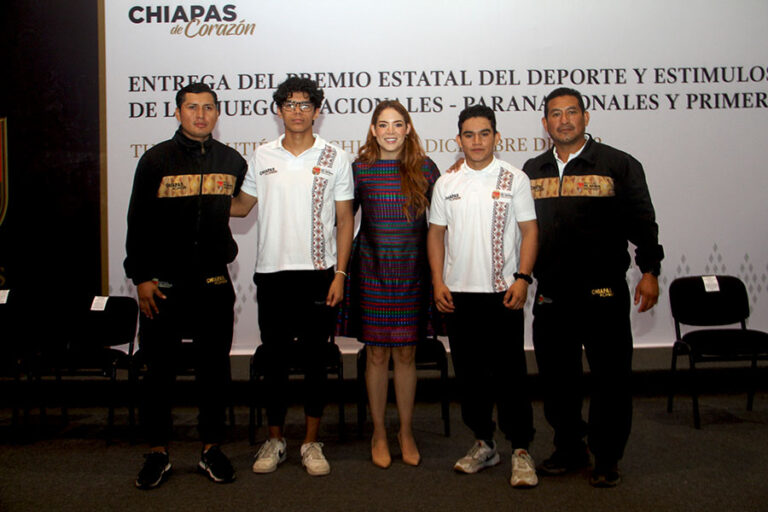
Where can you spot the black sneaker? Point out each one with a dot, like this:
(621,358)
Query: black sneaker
(156,466)
(216,465)
(605,476)
(561,462)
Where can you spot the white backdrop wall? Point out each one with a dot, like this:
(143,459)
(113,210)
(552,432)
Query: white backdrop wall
(682,86)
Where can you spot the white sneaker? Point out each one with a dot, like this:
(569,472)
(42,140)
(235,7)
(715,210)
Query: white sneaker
(523,470)
(269,456)
(478,457)
(313,459)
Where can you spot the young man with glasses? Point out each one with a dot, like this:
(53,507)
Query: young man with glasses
(304,188)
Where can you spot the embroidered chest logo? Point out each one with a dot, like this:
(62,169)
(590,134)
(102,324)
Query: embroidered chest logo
(452,197)
(592,185)
(542,188)
(216,280)
(218,184)
(267,172)
(179,185)
(603,292)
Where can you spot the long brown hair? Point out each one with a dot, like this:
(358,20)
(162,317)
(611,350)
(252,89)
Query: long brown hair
(412,181)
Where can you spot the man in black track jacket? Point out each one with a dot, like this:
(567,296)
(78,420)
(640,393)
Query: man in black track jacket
(178,246)
(591,199)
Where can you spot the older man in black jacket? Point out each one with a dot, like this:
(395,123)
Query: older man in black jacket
(591,199)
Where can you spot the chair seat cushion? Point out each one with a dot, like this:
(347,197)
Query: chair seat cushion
(727,342)
(430,352)
(329,352)
(83,361)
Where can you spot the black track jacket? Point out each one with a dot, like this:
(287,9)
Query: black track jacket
(178,217)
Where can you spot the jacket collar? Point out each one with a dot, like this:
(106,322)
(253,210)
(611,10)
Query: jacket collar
(588,153)
(193,145)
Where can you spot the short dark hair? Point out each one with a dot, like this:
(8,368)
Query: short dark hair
(195,88)
(298,84)
(563,91)
(478,111)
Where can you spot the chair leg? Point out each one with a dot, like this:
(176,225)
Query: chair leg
(111,409)
(752,384)
(251,426)
(133,390)
(15,394)
(60,396)
(445,405)
(38,392)
(362,395)
(672,382)
(252,386)
(257,402)
(340,384)
(28,400)
(694,393)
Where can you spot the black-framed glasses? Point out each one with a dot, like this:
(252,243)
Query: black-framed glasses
(291,106)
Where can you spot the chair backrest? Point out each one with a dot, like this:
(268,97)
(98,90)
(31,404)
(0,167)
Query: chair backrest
(9,348)
(16,321)
(692,304)
(6,312)
(113,325)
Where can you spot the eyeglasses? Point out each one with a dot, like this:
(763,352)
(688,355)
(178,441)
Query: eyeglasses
(304,106)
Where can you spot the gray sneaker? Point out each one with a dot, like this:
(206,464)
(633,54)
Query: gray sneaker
(313,460)
(523,470)
(480,456)
(271,453)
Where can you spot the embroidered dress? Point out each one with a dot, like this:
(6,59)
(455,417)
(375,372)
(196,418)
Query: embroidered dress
(389,300)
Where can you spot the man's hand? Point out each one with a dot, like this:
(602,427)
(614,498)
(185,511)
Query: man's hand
(456,165)
(336,291)
(516,294)
(147,291)
(443,298)
(647,292)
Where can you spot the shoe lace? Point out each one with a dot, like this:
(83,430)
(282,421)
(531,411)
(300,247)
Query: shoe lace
(314,451)
(269,449)
(522,461)
(153,462)
(215,457)
(478,451)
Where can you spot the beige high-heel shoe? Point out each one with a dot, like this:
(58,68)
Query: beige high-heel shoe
(380,453)
(410,453)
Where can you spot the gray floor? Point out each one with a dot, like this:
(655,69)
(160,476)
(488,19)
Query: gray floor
(668,466)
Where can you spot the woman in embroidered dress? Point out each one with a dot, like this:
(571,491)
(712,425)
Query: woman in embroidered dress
(390,281)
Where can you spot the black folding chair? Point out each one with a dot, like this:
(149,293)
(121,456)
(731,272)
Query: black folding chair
(14,352)
(91,337)
(334,365)
(185,367)
(713,301)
